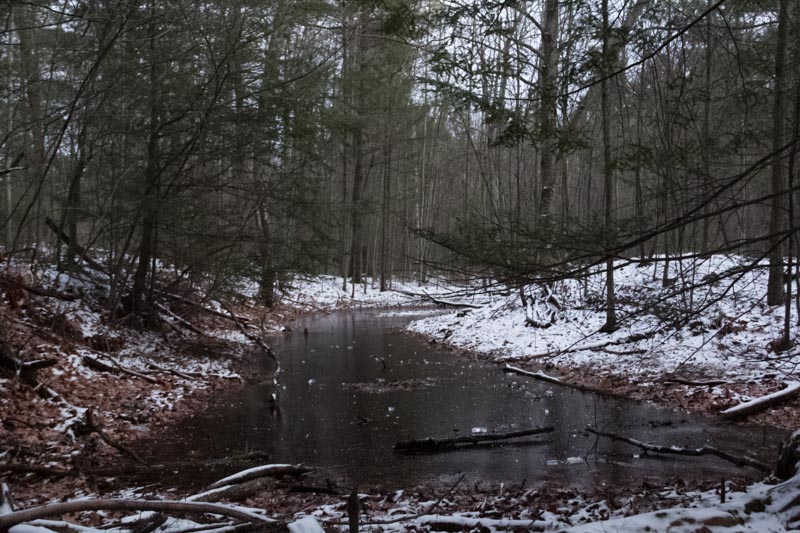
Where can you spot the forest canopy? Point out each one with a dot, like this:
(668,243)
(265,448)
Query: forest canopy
(512,140)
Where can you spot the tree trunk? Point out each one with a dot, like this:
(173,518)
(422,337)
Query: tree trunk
(777,222)
(148,209)
(608,179)
(547,109)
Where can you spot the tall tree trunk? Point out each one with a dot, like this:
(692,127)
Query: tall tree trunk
(32,84)
(777,222)
(547,109)
(140,295)
(387,150)
(608,179)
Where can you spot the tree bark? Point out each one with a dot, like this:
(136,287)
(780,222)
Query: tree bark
(777,222)
(608,177)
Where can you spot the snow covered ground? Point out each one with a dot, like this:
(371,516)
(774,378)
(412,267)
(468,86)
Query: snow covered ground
(711,322)
(327,293)
(758,508)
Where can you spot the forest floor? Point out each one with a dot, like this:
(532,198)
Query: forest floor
(67,435)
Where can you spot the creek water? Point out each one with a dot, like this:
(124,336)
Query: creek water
(354,385)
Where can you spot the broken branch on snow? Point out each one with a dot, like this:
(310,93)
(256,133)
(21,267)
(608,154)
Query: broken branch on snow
(79,506)
(274,470)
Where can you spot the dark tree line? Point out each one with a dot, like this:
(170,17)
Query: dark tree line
(523,141)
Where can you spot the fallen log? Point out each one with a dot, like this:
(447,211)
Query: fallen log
(79,506)
(757,405)
(172,371)
(536,375)
(101,366)
(12,367)
(234,492)
(275,470)
(41,291)
(97,364)
(431,444)
(19,468)
(738,460)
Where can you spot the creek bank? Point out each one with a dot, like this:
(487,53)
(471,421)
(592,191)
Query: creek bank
(701,346)
(707,400)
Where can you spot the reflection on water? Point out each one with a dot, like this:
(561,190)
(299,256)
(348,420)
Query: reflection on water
(416,390)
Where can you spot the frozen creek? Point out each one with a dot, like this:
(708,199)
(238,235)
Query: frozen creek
(354,385)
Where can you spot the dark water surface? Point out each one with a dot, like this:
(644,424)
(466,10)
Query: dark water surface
(342,410)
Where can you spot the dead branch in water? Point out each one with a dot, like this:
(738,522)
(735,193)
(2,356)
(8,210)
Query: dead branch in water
(431,444)
(675,450)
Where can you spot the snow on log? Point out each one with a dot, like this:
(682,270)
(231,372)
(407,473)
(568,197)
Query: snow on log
(459,523)
(78,506)
(759,404)
(233,492)
(262,471)
(738,460)
(537,375)
(430,444)
(11,366)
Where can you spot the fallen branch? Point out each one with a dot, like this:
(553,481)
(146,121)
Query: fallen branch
(757,405)
(258,341)
(80,506)
(80,250)
(463,523)
(202,307)
(172,371)
(635,351)
(180,320)
(91,423)
(431,444)
(275,470)
(133,373)
(236,492)
(41,291)
(536,375)
(100,366)
(690,383)
(19,468)
(693,452)
(595,346)
(444,303)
